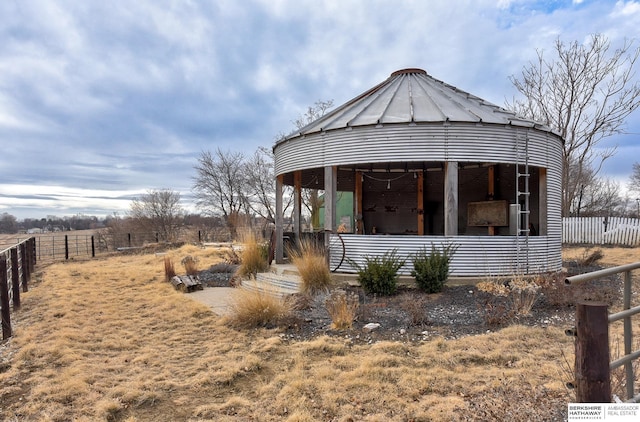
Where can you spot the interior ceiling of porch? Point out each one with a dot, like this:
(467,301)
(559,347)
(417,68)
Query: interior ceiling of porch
(314,178)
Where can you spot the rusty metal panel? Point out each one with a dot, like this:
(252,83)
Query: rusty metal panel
(488,213)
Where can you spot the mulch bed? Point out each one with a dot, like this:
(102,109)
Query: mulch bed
(411,315)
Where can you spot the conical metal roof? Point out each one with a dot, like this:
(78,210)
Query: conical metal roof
(411,96)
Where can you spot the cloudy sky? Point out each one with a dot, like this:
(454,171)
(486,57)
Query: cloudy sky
(103,100)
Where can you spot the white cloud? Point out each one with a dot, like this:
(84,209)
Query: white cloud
(124,95)
(626,8)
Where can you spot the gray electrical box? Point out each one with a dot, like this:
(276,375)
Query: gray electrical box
(514,219)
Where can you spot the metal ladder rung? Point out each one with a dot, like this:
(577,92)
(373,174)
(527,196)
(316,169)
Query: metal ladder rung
(524,211)
(524,175)
(524,193)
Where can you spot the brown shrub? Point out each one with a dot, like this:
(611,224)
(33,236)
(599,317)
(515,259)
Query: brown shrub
(169,269)
(618,375)
(253,257)
(557,293)
(590,257)
(523,294)
(342,308)
(257,308)
(311,262)
(231,257)
(414,305)
(494,303)
(553,289)
(300,301)
(190,264)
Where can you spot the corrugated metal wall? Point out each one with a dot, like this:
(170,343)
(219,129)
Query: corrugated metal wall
(476,255)
(437,142)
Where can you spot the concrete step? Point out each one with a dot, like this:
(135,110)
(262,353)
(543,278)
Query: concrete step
(278,285)
(284,269)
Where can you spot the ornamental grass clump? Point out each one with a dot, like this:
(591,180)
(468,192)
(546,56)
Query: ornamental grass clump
(169,269)
(524,294)
(431,269)
(415,307)
(254,257)
(190,264)
(501,301)
(379,274)
(493,301)
(258,308)
(342,308)
(310,260)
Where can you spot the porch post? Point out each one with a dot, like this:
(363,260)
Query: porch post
(297,203)
(358,203)
(491,193)
(542,208)
(420,207)
(279,221)
(330,195)
(450,198)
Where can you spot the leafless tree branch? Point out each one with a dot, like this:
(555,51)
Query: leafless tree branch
(585,92)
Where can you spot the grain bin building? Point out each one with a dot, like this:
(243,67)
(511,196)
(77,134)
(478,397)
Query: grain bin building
(429,164)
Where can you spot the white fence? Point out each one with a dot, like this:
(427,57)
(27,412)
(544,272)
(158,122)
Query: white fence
(601,230)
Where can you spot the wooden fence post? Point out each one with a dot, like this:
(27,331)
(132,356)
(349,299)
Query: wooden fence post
(66,247)
(25,262)
(93,247)
(25,268)
(33,254)
(4,299)
(15,277)
(593,383)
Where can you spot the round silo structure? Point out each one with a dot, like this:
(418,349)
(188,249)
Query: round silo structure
(425,164)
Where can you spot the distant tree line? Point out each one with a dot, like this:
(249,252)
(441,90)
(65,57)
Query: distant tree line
(9,224)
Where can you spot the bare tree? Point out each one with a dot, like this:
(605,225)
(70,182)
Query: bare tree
(219,185)
(634,181)
(158,211)
(585,93)
(602,197)
(259,173)
(8,223)
(313,113)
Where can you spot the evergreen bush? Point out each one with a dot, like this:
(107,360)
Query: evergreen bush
(380,273)
(431,269)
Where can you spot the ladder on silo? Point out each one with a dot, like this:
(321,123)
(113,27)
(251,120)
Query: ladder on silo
(522,199)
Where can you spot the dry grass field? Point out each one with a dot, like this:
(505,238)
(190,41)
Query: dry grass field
(109,340)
